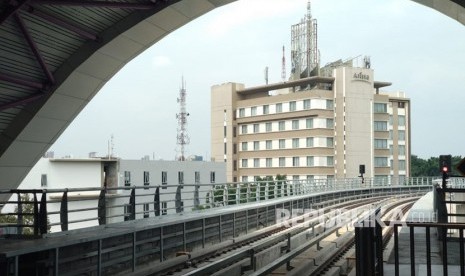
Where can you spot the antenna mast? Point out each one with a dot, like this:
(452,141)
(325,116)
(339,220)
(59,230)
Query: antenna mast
(283,68)
(182,137)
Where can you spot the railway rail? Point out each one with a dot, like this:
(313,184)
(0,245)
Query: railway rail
(277,248)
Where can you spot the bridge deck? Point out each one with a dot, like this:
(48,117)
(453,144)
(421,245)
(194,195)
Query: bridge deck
(120,246)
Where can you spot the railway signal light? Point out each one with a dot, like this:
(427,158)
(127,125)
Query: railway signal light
(445,162)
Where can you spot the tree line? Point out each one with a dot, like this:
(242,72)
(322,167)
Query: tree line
(430,167)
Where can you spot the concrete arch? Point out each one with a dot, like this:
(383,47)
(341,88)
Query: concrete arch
(37,126)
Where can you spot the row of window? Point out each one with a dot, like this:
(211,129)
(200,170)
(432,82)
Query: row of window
(383,162)
(296,161)
(308,142)
(164,177)
(288,125)
(286,107)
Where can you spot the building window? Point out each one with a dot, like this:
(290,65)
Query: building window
(282,143)
(380,108)
(266,109)
(329,123)
(146,210)
(164,179)
(245,146)
(234,131)
(197,177)
(146,179)
(310,161)
(256,162)
(381,144)
(391,134)
(234,148)
(295,143)
(235,165)
(381,161)
(256,128)
(127,178)
(296,161)
(282,161)
(244,129)
(292,106)
(307,104)
(401,150)
(309,123)
(330,142)
(256,145)
(282,125)
(295,124)
(329,161)
(245,178)
(269,144)
(253,111)
(164,208)
(269,162)
(401,119)
(241,112)
(212,177)
(401,104)
(279,107)
(401,165)
(43,180)
(295,179)
(310,178)
(180,177)
(329,104)
(268,127)
(309,142)
(401,135)
(380,126)
(245,163)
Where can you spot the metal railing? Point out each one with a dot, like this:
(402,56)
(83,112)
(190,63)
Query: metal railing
(37,211)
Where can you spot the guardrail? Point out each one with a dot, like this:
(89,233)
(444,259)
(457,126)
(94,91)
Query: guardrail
(66,209)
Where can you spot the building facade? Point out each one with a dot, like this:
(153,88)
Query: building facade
(312,128)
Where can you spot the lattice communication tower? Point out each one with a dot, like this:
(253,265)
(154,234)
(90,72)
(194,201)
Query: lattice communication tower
(182,137)
(304,46)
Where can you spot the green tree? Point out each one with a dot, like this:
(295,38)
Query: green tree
(28,217)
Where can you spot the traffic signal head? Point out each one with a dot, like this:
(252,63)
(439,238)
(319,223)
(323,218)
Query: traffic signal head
(445,162)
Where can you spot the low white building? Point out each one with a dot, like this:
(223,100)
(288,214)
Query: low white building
(188,181)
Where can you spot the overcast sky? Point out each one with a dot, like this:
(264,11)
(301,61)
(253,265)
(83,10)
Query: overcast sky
(419,50)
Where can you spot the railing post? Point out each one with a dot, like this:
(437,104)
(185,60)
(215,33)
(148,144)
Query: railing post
(156,202)
(238,193)
(178,202)
(102,208)
(196,197)
(132,203)
(64,211)
(20,214)
(36,215)
(43,214)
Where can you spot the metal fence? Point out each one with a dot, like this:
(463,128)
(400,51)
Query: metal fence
(37,211)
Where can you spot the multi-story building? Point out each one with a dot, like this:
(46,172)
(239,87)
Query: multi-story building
(312,128)
(70,173)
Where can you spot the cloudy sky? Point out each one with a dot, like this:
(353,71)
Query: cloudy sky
(416,48)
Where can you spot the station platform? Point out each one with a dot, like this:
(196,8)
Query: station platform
(422,211)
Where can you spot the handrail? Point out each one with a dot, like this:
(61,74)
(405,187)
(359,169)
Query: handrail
(102,205)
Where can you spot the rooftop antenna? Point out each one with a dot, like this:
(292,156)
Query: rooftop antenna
(283,68)
(266,75)
(182,137)
(367,62)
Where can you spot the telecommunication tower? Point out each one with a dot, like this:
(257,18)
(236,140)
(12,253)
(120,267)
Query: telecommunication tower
(182,137)
(304,46)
